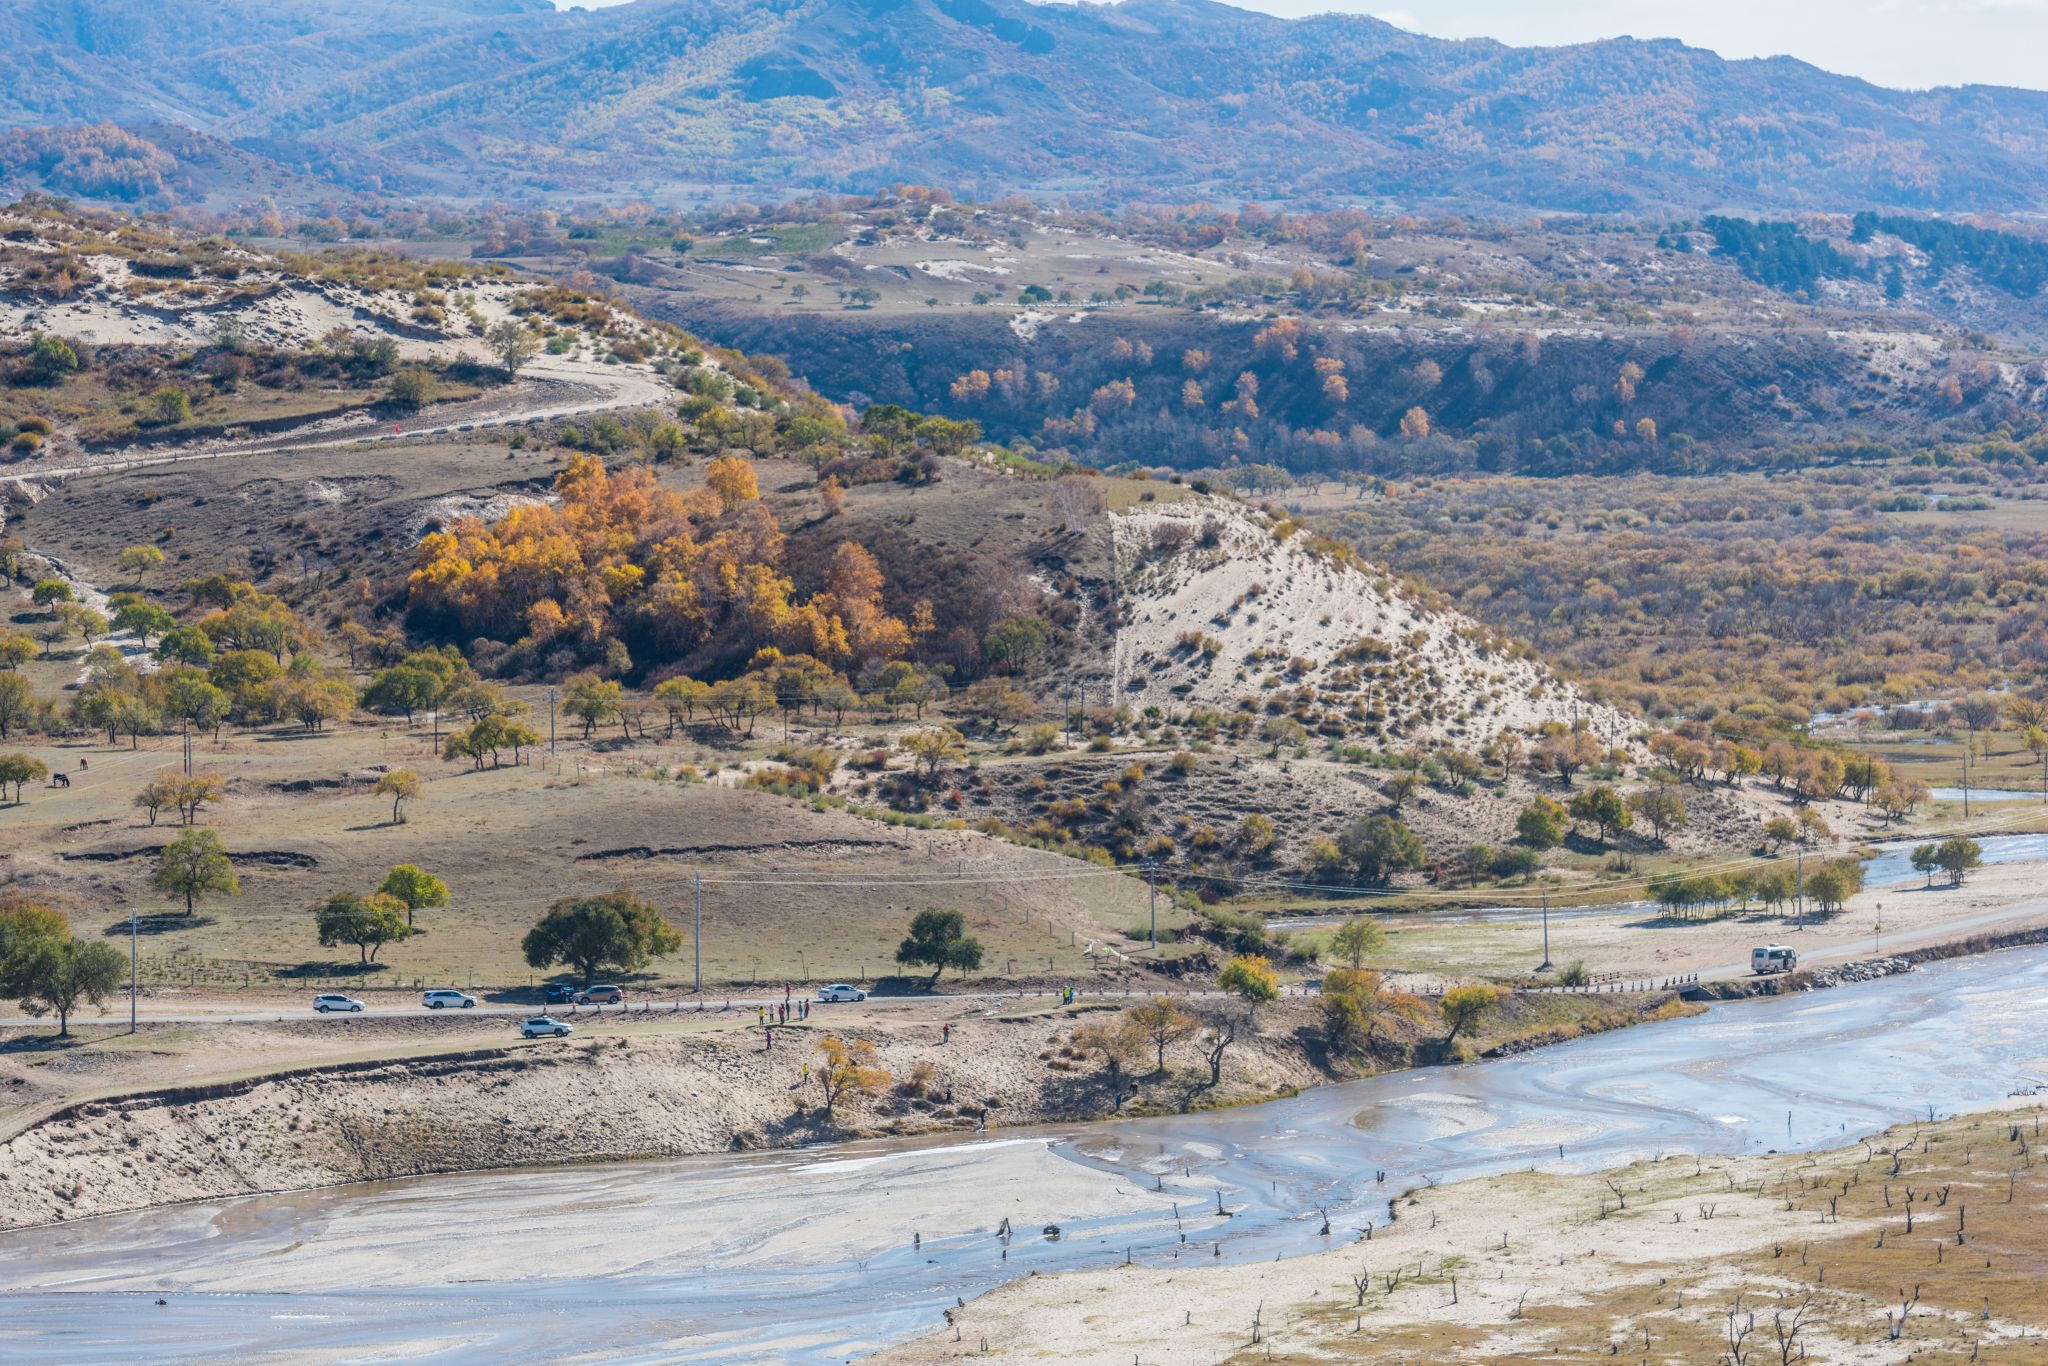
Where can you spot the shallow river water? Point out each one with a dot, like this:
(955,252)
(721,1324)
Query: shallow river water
(822,1255)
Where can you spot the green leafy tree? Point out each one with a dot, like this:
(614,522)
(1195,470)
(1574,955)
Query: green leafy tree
(1380,846)
(400,785)
(50,359)
(170,405)
(138,560)
(18,708)
(20,770)
(932,748)
(186,645)
(1352,1003)
(1541,824)
(1661,807)
(403,687)
(49,591)
(135,718)
(1017,642)
(1602,808)
(1832,884)
(1358,939)
(368,922)
(193,865)
(52,976)
(1465,1007)
(591,700)
(939,940)
(1251,977)
(22,921)
(417,889)
(144,619)
(616,930)
(412,390)
(1955,857)
(512,344)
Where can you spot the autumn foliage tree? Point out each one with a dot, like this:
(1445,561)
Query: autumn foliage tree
(621,556)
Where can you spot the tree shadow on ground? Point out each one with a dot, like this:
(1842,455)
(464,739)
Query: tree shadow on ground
(160,923)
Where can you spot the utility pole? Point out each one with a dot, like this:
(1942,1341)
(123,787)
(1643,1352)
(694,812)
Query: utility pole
(1799,889)
(1546,931)
(1966,774)
(1152,878)
(551,744)
(700,928)
(131,969)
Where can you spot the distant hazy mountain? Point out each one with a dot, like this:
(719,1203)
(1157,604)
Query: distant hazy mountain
(1156,98)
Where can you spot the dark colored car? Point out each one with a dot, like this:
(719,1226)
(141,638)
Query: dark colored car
(559,992)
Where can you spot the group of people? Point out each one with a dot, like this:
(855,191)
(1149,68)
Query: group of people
(780,1014)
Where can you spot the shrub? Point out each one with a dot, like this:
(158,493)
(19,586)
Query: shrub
(413,390)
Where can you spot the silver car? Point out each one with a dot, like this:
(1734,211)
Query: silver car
(839,991)
(542,1024)
(334,1000)
(446,999)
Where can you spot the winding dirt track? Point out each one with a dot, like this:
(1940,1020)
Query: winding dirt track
(545,392)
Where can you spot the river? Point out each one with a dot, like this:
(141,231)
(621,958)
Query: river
(819,1256)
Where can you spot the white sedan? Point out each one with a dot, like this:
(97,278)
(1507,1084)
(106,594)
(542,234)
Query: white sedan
(334,1000)
(839,991)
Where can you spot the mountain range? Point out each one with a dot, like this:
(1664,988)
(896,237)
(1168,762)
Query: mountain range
(1159,100)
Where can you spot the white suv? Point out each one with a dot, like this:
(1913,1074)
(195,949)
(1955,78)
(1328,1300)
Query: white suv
(542,1024)
(446,998)
(334,1000)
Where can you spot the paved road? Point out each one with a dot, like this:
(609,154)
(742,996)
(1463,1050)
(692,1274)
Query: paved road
(711,1008)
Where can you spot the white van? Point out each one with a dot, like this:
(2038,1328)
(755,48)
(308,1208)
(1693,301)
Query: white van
(1773,958)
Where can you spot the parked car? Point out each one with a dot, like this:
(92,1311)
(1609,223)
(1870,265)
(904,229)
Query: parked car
(1773,958)
(839,991)
(601,995)
(542,1024)
(446,998)
(334,1000)
(561,993)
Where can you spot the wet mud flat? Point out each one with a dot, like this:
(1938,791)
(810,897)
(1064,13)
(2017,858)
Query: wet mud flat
(816,1256)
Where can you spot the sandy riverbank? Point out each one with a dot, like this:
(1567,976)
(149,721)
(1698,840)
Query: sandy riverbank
(205,1110)
(1530,1266)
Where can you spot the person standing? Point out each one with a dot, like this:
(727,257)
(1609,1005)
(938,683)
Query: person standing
(770,1033)
(946,1034)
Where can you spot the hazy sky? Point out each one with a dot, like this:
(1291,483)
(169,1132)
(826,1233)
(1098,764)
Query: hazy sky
(1906,43)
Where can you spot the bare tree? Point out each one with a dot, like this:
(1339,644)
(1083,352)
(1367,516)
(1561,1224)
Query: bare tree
(1220,1029)
(1076,498)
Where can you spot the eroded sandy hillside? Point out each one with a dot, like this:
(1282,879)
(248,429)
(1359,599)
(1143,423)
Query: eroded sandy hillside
(1221,604)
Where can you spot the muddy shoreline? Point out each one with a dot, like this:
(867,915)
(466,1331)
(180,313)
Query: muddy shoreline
(627,1090)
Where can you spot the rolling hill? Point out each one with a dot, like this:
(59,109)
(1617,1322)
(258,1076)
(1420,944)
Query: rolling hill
(1149,99)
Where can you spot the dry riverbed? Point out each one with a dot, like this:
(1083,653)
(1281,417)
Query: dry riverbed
(1646,1262)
